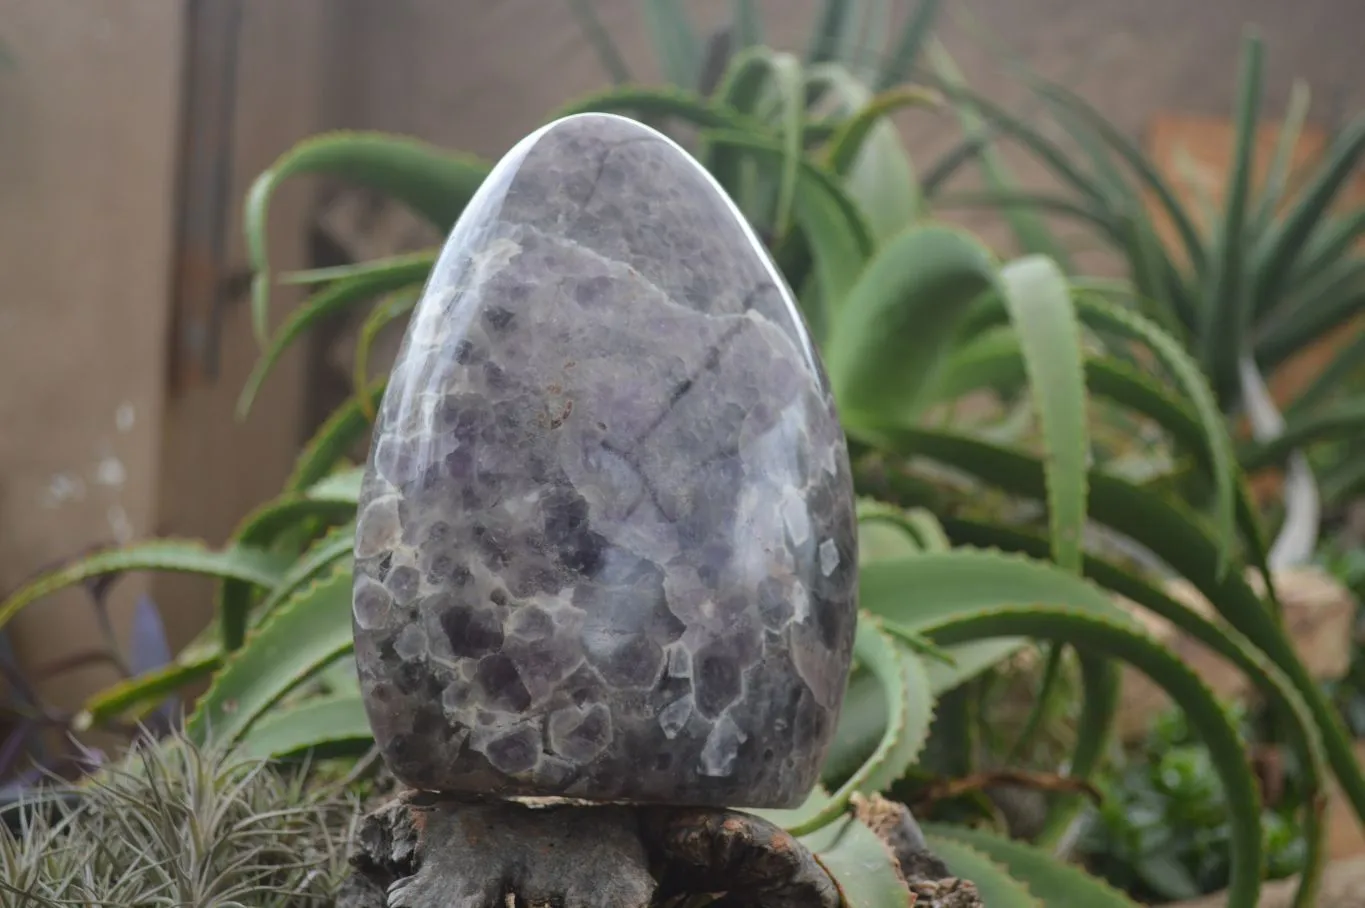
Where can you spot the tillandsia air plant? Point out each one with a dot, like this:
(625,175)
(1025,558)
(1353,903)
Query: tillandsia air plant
(173,824)
(908,323)
(1250,282)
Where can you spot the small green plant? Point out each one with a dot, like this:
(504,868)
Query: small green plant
(1163,831)
(174,824)
(909,324)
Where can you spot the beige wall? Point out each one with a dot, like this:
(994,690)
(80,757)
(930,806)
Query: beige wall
(87,168)
(477,76)
(105,436)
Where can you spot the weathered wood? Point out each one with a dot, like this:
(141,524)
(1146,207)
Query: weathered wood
(420,851)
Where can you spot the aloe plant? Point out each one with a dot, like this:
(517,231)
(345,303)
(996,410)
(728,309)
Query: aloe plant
(1246,285)
(909,324)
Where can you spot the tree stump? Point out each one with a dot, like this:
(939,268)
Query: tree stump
(426,851)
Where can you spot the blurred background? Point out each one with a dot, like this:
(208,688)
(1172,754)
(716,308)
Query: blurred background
(132,129)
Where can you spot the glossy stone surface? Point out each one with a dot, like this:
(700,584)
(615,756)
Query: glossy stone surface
(606,543)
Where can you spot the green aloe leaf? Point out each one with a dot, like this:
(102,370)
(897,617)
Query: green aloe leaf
(835,232)
(891,332)
(1030,233)
(1056,883)
(378,278)
(163,555)
(1038,299)
(260,530)
(1329,309)
(1277,176)
(1201,708)
(997,887)
(760,74)
(1227,311)
(909,713)
(1278,249)
(832,27)
(343,429)
(127,700)
(318,724)
(876,169)
(922,591)
(860,863)
(607,52)
(1143,168)
(321,557)
(1344,365)
(663,103)
(394,307)
(306,633)
(1174,534)
(1219,639)
(432,182)
(675,41)
(1344,420)
(1099,313)
(851,137)
(1330,241)
(897,65)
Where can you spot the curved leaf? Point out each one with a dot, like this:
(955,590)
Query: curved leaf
(260,530)
(383,276)
(860,863)
(172,555)
(1278,249)
(897,65)
(1100,313)
(1058,884)
(909,712)
(889,338)
(832,226)
(127,700)
(326,553)
(1342,421)
(1305,739)
(1030,232)
(321,723)
(654,103)
(346,426)
(1185,688)
(1174,534)
(758,74)
(997,888)
(922,591)
(394,307)
(309,631)
(1226,312)
(675,41)
(433,183)
(850,138)
(1039,303)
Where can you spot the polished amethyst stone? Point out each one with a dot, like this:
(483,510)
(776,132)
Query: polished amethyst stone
(606,544)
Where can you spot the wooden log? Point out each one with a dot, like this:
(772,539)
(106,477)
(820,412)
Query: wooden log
(426,851)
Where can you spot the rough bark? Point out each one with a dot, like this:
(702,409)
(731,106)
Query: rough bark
(424,852)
